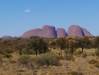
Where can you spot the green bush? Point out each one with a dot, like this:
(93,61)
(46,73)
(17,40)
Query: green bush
(5,50)
(26,61)
(38,45)
(26,51)
(47,59)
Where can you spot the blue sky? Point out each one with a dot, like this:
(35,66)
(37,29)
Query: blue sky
(18,16)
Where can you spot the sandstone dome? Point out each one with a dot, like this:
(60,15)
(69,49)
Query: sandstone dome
(75,30)
(48,31)
(61,32)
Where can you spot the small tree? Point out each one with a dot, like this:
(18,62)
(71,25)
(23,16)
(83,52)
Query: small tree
(25,61)
(84,43)
(71,45)
(38,45)
(52,44)
(61,43)
(96,43)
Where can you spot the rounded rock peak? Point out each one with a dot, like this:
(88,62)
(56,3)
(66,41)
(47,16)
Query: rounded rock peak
(61,29)
(75,30)
(48,26)
(61,32)
(75,26)
(49,31)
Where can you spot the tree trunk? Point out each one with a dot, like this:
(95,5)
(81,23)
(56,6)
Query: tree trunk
(61,52)
(36,53)
(82,49)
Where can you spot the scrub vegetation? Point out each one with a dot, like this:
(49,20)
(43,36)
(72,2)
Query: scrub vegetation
(49,56)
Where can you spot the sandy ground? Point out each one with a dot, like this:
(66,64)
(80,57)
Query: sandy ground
(79,64)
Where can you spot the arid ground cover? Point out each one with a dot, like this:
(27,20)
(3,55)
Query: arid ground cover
(47,56)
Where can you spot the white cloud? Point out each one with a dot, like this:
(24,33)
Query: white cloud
(27,10)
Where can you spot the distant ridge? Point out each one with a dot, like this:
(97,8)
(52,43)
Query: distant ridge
(76,30)
(48,31)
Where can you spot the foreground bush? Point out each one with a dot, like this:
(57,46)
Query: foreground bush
(97,52)
(69,56)
(47,59)
(6,52)
(93,61)
(84,54)
(97,65)
(25,61)
(1,59)
(75,73)
(78,53)
(27,52)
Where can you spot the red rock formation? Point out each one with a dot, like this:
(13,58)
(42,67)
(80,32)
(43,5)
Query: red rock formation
(61,32)
(75,30)
(33,32)
(50,32)
(46,31)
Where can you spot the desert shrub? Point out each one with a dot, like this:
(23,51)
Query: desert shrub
(84,55)
(27,51)
(12,61)
(47,59)
(93,61)
(25,61)
(93,54)
(70,57)
(75,73)
(97,65)
(1,59)
(97,52)
(78,53)
(7,55)
(5,50)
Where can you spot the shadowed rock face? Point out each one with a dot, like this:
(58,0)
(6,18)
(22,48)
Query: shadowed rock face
(50,32)
(61,32)
(86,32)
(75,30)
